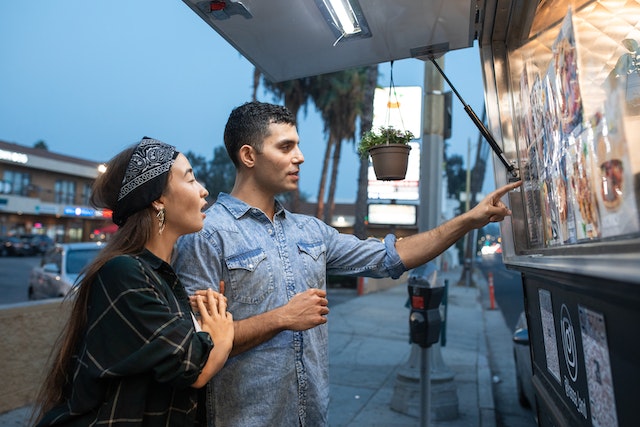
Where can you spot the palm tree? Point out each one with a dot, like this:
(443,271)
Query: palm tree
(366,119)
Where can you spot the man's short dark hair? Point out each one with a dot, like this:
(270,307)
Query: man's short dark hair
(249,123)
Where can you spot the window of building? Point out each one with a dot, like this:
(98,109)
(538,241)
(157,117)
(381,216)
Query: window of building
(65,192)
(86,194)
(15,183)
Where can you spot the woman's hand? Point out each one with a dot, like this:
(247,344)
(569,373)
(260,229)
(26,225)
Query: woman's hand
(218,323)
(214,317)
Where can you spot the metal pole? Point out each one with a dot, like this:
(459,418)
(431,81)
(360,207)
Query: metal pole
(467,237)
(425,387)
(415,378)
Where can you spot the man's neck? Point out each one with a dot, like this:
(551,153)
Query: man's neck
(257,199)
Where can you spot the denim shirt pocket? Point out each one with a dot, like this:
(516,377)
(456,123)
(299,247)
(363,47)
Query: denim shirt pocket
(248,274)
(314,263)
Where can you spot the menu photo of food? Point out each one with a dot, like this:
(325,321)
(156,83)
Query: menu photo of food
(550,213)
(581,193)
(614,179)
(566,68)
(566,217)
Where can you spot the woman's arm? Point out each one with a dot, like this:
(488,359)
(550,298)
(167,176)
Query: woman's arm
(218,323)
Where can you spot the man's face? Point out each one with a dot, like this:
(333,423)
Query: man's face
(278,163)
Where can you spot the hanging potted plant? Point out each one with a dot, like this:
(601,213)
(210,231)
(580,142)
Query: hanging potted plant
(389,150)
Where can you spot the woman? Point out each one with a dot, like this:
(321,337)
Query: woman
(132,352)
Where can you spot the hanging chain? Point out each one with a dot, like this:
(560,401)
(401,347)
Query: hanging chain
(392,90)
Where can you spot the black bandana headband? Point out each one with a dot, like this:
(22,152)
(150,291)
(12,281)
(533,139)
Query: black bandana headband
(145,177)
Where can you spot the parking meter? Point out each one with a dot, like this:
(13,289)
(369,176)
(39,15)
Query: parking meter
(424,319)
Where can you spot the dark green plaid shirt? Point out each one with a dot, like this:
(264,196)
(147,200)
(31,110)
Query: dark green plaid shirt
(140,353)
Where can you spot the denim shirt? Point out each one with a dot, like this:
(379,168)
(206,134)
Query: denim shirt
(283,381)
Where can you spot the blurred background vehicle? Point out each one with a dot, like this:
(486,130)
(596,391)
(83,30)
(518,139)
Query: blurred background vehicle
(524,370)
(39,243)
(59,269)
(14,246)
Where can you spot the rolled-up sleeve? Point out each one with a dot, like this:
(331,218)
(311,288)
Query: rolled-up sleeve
(393,263)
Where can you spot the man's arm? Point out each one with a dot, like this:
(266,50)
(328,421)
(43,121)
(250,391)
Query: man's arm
(304,311)
(423,247)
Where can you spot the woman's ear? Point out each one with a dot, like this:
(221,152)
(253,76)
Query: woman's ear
(157,205)
(247,156)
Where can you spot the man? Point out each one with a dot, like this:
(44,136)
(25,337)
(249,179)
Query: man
(274,264)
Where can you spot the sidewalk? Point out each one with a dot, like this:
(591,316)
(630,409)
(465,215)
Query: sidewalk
(368,344)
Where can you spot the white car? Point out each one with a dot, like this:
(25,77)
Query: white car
(59,269)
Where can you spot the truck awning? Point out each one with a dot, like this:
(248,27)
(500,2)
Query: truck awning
(288,39)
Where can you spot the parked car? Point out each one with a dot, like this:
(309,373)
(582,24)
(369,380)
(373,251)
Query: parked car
(59,269)
(40,243)
(524,370)
(14,246)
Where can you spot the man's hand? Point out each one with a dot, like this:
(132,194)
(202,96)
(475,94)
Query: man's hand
(305,310)
(491,208)
(419,248)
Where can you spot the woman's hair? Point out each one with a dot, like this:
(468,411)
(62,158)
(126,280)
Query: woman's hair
(249,123)
(130,238)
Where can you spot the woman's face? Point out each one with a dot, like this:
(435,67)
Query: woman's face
(184,199)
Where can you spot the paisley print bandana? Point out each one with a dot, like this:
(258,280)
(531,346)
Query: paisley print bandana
(145,177)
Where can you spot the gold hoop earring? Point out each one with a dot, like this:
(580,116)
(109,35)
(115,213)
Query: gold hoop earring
(161,221)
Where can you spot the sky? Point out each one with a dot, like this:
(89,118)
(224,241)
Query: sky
(90,78)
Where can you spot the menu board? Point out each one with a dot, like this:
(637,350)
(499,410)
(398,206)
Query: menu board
(577,170)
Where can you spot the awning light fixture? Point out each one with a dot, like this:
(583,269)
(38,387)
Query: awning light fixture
(345,19)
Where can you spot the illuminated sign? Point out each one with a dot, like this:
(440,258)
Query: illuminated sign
(79,211)
(406,189)
(12,156)
(400,108)
(392,214)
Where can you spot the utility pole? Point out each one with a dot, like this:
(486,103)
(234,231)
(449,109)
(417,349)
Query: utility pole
(406,395)
(475,181)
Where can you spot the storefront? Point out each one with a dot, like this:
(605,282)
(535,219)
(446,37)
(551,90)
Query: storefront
(48,193)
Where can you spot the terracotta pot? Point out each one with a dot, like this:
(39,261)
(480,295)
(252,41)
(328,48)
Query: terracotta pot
(390,161)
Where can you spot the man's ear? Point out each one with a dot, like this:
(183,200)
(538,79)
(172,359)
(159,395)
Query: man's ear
(247,156)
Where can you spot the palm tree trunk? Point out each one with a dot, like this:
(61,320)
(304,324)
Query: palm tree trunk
(323,177)
(330,208)
(366,119)
(256,84)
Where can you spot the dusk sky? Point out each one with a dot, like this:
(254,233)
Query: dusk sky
(91,78)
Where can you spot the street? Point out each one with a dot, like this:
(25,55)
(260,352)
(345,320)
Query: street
(509,304)
(507,287)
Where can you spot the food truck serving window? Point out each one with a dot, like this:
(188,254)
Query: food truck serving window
(575,92)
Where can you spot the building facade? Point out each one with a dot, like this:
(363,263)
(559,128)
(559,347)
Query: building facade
(48,193)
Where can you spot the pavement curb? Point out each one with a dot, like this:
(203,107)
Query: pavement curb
(486,401)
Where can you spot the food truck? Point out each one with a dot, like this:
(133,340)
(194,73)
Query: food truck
(563,97)
(562,94)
